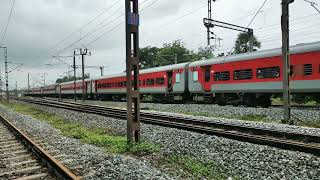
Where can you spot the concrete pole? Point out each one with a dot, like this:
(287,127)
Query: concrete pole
(101,69)
(28,82)
(286,61)
(7,73)
(74,76)
(251,38)
(83,85)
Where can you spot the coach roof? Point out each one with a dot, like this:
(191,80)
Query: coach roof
(145,71)
(300,48)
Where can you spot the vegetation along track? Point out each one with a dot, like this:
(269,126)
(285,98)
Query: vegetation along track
(266,136)
(308,107)
(21,158)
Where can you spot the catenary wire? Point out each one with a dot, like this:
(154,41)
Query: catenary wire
(5,31)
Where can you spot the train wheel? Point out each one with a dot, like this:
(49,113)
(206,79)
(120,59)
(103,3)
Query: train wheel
(264,101)
(250,100)
(221,100)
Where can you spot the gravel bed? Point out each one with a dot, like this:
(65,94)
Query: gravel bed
(213,110)
(246,160)
(157,108)
(95,162)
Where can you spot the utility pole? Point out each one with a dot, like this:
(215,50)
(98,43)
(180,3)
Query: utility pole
(16,89)
(44,79)
(208,25)
(7,72)
(74,77)
(0,81)
(132,67)
(28,82)
(83,52)
(250,33)
(83,85)
(101,69)
(286,60)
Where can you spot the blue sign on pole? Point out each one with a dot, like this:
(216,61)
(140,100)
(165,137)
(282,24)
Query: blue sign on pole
(133,19)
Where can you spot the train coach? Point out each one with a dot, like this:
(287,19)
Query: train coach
(245,79)
(67,89)
(160,83)
(252,78)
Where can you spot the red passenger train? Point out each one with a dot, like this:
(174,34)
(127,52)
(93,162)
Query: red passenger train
(249,79)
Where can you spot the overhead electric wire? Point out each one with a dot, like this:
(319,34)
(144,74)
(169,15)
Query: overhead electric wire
(88,34)
(249,24)
(85,25)
(291,21)
(112,29)
(183,16)
(257,13)
(5,31)
(118,25)
(99,37)
(99,26)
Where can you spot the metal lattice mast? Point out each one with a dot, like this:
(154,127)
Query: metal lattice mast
(7,73)
(286,60)
(132,70)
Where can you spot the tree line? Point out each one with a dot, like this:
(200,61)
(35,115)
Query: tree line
(71,78)
(176,52)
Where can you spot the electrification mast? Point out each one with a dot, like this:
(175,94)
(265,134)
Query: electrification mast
(132,70)
(286,60)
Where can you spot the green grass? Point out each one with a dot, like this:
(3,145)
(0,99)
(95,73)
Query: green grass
(197,169)
(192,167)
(96,136)
(311,124)
(278,101)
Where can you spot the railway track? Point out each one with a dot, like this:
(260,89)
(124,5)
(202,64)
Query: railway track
(281,139)
(21,158)
(295,106)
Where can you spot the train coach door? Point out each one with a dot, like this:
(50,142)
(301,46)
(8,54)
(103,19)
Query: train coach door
(207,78)
(169,75)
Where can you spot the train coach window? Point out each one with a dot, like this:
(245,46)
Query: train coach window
(242,74)
(150,82)
(144,82)
(195,75)
(307,69)
(178,78)
(269,72)
(222,76)
(160,81)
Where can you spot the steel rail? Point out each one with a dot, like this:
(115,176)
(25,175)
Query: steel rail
(265,136)
(311,107)
(296,106)
(59,170)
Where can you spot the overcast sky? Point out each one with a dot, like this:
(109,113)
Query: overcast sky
(37,28)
